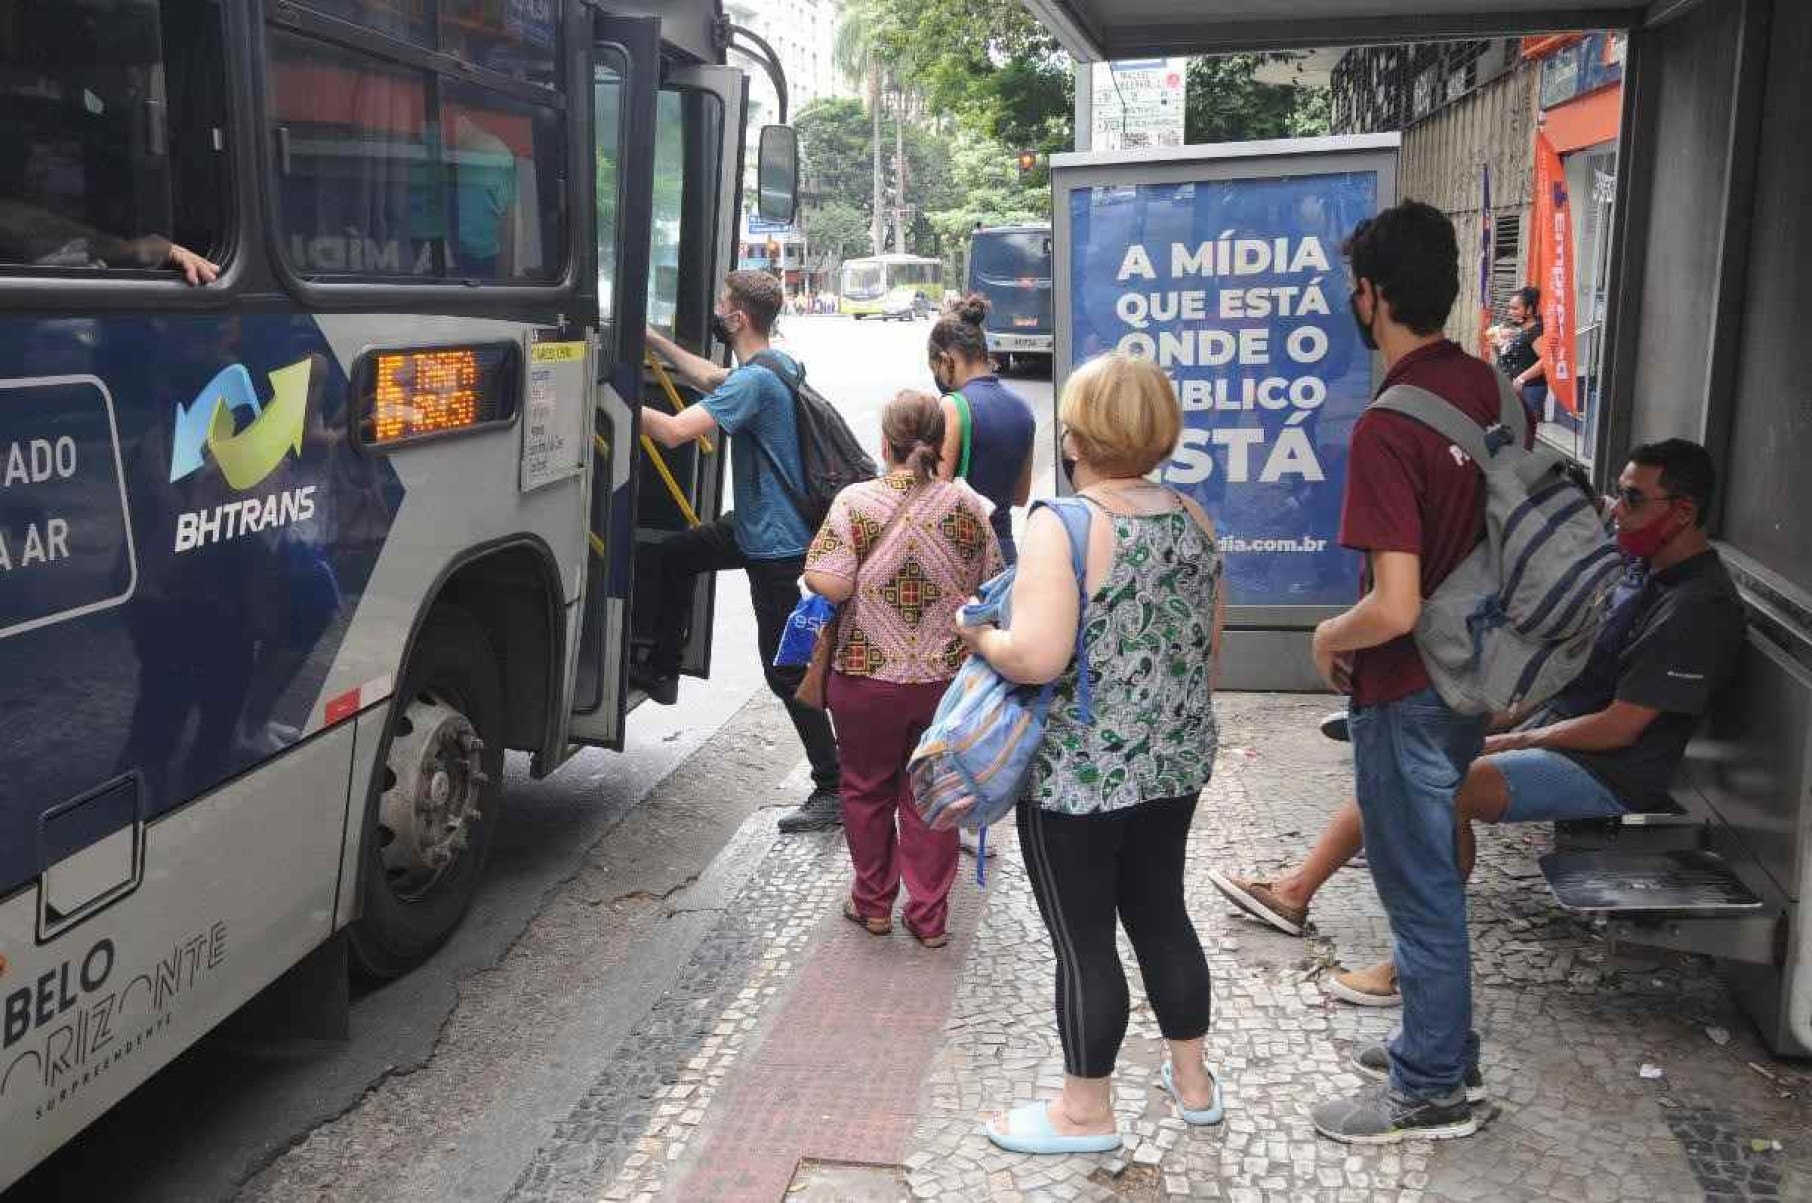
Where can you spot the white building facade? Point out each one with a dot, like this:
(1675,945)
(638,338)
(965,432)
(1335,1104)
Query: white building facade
(803,34)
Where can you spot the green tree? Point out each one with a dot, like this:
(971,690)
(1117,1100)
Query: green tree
(990,65)
(834,231)
(1226,103)
(984,189)
(834,151)
(863,34)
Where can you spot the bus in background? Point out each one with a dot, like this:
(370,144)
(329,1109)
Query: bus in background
(891,286)
(289,559)
(1011,267)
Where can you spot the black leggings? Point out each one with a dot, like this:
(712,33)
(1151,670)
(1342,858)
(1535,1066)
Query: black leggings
(1085,870)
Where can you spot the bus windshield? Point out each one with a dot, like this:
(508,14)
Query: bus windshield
(863,280)
(1006,256)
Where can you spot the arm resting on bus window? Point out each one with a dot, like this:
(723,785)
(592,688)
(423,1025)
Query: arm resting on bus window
(673,430)
(697,371)
(1617,726)
(1390,609)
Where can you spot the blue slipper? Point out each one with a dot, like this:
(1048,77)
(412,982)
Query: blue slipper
(1212,1114)
(1029,1131)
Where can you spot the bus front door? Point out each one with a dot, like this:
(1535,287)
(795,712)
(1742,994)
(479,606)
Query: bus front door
(667,204)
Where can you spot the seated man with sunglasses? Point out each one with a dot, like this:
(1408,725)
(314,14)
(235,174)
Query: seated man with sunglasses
(1609,743)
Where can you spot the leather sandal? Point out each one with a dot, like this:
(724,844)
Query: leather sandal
(874,927)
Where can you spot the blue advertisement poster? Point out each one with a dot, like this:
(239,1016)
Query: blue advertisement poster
(1236,287)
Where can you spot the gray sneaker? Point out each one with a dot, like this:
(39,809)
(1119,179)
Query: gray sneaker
(1379,1115)
(1374,1062)
(821,810)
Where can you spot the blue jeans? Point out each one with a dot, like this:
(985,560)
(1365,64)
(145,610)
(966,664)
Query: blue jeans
(1546,787)
(1409,758)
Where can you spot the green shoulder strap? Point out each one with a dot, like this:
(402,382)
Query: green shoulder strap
(962,417)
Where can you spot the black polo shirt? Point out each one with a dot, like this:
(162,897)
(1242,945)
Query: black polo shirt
(1670,642)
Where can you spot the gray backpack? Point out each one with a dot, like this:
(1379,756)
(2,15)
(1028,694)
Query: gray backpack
(1514,623)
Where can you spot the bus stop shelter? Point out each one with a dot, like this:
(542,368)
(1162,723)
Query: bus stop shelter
(1709,285)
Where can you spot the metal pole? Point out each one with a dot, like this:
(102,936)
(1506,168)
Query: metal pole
(899,173)
(1085,103)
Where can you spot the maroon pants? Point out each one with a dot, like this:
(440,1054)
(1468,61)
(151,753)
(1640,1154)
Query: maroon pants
(878,725)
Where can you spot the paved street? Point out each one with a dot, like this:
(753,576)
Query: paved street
(657,999)
(792,1050)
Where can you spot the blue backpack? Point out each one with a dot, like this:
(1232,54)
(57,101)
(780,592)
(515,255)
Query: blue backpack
(983,740)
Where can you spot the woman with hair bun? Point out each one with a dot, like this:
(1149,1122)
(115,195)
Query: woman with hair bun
(1001,423)
(899,554)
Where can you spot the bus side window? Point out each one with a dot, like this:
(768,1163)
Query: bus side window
(113,146)
(388,171)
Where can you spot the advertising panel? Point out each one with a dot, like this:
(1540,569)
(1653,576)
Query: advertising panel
(1223,265)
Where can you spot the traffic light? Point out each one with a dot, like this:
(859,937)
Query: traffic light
(1028,163)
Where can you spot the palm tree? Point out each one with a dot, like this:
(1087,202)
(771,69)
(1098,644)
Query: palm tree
(855,52)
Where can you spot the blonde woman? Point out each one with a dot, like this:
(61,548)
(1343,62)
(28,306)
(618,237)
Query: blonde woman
(1105,824)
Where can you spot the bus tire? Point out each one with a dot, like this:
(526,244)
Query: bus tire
(424,848)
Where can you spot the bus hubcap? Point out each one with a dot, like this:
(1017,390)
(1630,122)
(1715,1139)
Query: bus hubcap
(436,782)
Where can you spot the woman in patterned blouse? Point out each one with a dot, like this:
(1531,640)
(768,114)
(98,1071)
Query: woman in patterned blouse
(899,554)
(1104,827)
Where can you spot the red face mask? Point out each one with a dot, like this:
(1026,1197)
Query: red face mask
(1645,541)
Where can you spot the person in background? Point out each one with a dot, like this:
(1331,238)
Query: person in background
(1104,827)
(1001,423)
(1519,351)
(899,554)
(766,535)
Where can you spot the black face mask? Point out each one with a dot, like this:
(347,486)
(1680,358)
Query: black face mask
(1365,331)
(1068,467)
(720,330)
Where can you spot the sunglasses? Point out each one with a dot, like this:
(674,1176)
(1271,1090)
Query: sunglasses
(1634,498)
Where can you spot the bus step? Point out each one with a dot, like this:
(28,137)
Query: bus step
(1676,882)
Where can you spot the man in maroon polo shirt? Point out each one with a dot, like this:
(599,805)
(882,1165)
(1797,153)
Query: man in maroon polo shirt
(1414,505)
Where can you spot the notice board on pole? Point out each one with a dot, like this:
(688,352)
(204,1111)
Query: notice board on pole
(1223,264)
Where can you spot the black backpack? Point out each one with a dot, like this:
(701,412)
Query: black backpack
(830,458)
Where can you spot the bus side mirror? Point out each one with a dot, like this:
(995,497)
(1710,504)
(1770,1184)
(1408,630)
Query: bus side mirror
(777,174)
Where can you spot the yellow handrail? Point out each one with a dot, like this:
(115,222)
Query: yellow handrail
(674,399)
(673,489)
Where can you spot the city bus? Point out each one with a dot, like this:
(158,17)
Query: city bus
(288,560)
(890,286)
(1011,267)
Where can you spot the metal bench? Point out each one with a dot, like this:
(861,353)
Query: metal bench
(1725,871)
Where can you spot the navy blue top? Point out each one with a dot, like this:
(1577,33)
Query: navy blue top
(1001,431)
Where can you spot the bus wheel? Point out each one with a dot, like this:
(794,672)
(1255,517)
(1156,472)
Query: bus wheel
(437,797)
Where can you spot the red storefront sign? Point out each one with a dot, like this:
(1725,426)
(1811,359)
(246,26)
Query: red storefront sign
(1551,270)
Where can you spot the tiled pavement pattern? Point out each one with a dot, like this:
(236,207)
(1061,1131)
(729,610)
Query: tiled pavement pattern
(704,1092)
(636,1122)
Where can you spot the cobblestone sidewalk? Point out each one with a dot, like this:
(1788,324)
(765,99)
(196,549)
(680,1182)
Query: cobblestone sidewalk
(804,1051)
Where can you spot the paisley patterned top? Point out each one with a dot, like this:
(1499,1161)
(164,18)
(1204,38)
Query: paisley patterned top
(1148,631)
(900,624)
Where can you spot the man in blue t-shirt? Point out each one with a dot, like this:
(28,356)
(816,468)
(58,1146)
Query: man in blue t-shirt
(765,533)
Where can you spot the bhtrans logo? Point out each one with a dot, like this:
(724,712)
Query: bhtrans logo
(244,454)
